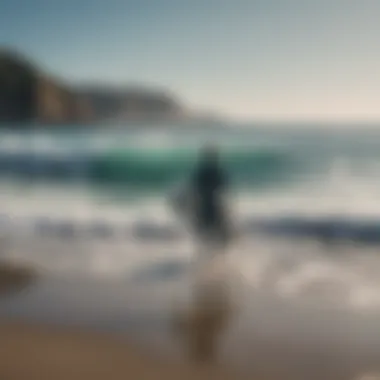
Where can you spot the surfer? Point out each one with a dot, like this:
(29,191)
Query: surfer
(209,183)
(201,201)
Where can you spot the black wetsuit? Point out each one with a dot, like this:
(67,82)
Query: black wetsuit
(209,183)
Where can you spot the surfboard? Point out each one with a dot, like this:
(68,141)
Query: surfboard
(182,200)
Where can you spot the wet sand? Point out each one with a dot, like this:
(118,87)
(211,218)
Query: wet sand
(40,351)
(279,341)
(32,352)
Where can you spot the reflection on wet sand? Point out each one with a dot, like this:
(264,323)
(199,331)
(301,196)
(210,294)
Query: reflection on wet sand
(201,325)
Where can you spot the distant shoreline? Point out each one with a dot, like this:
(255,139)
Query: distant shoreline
(29,94)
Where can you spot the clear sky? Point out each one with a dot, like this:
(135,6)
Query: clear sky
(266,59)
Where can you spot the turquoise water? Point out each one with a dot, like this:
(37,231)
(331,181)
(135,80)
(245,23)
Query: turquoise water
(145,159)
(304,170)
(154,159)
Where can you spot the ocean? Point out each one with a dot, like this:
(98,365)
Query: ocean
(296,182)
(89,209)
(273,171)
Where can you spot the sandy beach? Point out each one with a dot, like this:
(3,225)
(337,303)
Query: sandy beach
(33,352)
(40,351)
(279,342)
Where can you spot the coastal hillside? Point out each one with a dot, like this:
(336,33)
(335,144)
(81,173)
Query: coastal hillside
(28,94)
(109,103)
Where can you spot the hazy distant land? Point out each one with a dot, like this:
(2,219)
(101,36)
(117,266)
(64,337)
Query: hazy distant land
(29,95)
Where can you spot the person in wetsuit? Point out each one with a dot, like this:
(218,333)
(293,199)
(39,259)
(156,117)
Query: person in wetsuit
(209,183)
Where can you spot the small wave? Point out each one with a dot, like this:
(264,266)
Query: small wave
(152,168)
(327,229)
(323,228)
(94,229)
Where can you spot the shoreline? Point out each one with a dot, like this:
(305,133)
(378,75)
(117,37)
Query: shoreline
(92,328)
(31,347)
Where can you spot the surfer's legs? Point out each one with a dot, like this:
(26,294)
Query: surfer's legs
(212,239)
(212,230)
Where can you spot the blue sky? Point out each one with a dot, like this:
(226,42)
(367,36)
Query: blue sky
(251,59)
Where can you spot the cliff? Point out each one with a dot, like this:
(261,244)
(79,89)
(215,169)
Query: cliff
(18,81)
(58,104)
(131,104)
(27,95)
